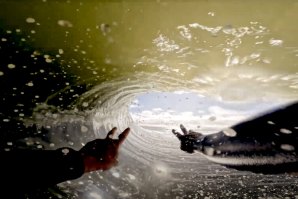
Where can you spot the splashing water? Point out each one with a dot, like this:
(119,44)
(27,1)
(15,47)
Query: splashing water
(151,66)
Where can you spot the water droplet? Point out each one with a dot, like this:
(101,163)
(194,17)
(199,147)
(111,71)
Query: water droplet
(65,23)
(85,104)
(285,131)
(275,42)
(287,147)
(212,118)
(30,20)
(230,132)
(212,14)
(30,84)
(11,66)
(65,151)
(9,143)
(84,129)
(116,174)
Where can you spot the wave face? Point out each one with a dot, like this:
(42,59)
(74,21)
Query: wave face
(72,70)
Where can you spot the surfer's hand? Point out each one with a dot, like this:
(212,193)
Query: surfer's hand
(101,154)
(187,139)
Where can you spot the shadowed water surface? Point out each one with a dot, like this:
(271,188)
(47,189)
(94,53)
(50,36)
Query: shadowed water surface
(70,70)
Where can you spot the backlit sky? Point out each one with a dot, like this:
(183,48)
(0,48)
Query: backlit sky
(193,110)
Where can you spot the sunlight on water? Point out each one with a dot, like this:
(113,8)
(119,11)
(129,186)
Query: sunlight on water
(78,68)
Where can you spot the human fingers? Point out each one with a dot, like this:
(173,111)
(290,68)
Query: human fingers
(123,135)
(178,135)
(111,133)
(183,129)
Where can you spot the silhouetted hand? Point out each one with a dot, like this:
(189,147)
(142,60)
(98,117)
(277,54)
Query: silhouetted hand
(187,139)
(101,154)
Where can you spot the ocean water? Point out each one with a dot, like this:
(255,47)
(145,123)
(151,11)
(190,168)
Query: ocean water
(70,70)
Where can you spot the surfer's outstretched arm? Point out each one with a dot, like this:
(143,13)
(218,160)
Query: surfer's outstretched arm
(24,170)
(264,144)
